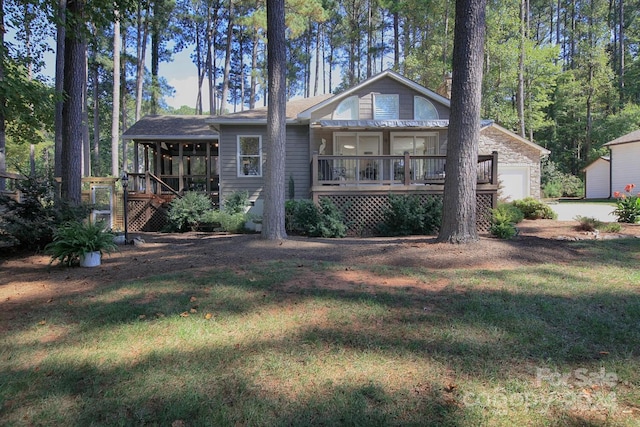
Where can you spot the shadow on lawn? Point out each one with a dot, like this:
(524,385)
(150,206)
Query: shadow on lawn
(489,334)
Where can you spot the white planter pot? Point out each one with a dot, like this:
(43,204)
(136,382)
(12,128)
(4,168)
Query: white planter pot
(90,259)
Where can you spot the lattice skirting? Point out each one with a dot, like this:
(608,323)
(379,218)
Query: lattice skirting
(364,212)
(146,215)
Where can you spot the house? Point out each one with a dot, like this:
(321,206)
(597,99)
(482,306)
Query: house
(624,153)
(612,173)
(386,135)
(597,183)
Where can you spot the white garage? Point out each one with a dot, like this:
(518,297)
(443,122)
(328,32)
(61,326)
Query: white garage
(514,182)
(597,183)
(519,167)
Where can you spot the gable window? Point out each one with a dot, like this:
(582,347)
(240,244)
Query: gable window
(249,155)
(423,109)
(386,107)
(348,109)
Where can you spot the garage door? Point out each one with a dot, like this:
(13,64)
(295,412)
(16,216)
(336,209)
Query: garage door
(514,182)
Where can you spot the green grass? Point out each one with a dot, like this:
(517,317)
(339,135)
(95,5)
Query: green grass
(481,348)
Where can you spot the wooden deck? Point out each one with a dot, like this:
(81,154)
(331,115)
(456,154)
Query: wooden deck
(360,185)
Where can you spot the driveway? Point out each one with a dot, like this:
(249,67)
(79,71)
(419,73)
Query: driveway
(567,211)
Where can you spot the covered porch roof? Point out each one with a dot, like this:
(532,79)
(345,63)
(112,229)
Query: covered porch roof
(171,128)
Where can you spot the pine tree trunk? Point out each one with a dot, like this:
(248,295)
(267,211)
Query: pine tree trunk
(273,227)
(227,62)
(459,201)
(60,38)
(72,111)
(3,102)
(141,51)
(115,110)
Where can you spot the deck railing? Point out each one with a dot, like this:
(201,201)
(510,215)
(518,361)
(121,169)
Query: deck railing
(406,170)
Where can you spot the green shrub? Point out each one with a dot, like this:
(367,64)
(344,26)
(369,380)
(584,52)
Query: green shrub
(30,223)
(555,183)
(612,227)
(76,239)
(503,230)
(509,212)
(534,209)
(628,205)
(306,218)
(406,215)
(229,222)
(586,223)
(503,220)
(236,202)
(186,213)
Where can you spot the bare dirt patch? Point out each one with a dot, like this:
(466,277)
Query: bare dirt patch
(29,280)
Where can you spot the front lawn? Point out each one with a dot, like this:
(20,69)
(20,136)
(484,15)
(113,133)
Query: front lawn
(318,343)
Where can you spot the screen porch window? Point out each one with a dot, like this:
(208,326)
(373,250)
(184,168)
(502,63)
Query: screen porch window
(386,107)
(249,156)
(348,109)
(423,109)
(418,144)
(357,144)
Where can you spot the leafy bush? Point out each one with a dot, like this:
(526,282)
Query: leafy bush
(503,220)
(509,212)
(556,183)
(406,215)
(236,202)
(612,227)
(586,223)
(534,209)
(229,222)
(76,239)
(30,223)
(186,213)
(628,205)
(306,218)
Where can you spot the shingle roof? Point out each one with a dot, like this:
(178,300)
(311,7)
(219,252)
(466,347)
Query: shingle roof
(625,139)
(294,107)
(168,127)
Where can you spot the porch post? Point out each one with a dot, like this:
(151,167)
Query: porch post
(207,164)
(314,170)
(136,165)
(180,168)
(494,168)
(147,180)
(158,170)
(407,168)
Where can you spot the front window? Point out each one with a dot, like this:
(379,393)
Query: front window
(347,109)
(249,156)
(423,109)
(386,107)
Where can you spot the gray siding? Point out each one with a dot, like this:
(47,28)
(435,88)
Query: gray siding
(385,86)
(297,162)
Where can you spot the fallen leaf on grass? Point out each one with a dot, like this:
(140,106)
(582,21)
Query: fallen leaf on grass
(184,314)
(42,322)
(193,299)
(193,311)
(142,317)
(208,316)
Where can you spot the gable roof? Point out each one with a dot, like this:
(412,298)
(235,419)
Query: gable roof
(387,73)
(600,159)
(259,115)
(171,127)
(625,139)
(513,135)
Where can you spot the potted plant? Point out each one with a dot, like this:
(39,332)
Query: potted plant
(80,243)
